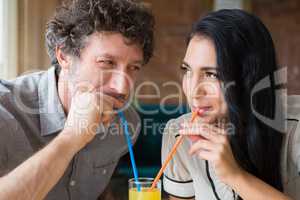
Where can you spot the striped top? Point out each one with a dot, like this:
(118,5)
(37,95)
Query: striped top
(191,177)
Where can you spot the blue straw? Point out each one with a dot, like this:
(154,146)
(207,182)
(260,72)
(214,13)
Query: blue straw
(135,171)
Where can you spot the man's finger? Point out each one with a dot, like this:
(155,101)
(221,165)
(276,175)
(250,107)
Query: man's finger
(115,103)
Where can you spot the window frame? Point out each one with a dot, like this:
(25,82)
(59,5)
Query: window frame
(9,29)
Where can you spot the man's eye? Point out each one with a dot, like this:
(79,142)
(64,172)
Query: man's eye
(211,75)
(135,68)
(107,63)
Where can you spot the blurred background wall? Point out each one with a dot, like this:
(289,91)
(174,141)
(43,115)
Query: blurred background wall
(174,19)
(32,18)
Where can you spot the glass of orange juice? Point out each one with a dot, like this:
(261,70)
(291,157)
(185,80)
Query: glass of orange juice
(144,184)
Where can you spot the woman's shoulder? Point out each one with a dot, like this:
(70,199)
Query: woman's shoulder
(292,139)
(173,125)
(179,119)
(293,106)
(291,148)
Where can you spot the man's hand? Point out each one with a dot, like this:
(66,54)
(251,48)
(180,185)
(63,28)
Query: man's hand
(88,110)
(34,178)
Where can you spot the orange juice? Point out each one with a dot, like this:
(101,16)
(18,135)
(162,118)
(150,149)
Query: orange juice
(144,194)
(140,189)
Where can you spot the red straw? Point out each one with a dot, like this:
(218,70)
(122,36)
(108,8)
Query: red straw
(170,155)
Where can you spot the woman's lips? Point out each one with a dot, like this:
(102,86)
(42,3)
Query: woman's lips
(202,109)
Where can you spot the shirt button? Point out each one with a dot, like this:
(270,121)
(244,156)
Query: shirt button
(72,183)
(104,171)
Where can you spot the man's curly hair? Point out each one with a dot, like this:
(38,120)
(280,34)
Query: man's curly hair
(76,19)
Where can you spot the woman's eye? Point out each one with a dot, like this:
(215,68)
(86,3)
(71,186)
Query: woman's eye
(184,68)
(211,75)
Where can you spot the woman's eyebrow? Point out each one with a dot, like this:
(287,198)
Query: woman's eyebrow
(203,68)
(208,68)
(185,64)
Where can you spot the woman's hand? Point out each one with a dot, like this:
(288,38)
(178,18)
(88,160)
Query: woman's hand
(211,143)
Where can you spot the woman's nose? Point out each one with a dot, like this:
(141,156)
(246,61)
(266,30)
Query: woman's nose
(197,86)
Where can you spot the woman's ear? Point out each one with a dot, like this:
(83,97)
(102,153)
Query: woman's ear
(63,59)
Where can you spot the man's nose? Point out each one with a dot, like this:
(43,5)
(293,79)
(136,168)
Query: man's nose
(120,83)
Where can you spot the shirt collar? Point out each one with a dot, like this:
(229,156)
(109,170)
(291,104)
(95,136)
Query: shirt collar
(52,116)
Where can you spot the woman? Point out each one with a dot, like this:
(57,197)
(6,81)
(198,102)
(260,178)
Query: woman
(229,152)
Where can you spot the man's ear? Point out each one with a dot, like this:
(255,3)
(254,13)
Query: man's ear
(63,59)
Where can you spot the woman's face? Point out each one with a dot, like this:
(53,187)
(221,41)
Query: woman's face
(200,82)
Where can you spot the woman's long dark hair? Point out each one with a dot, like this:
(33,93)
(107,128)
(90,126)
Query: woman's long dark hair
(245,55)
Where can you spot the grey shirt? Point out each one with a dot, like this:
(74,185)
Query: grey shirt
(31,115)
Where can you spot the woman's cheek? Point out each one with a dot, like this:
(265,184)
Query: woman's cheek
(224,107)
(216,100)
(185,89)
(221,106)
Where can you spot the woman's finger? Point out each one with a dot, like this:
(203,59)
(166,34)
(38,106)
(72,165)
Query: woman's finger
(204,133)
(207,131)
(195,128)
(205,155)
(192,127)
(195,138)
(200,145)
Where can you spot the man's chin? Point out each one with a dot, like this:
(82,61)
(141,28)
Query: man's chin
(122,106)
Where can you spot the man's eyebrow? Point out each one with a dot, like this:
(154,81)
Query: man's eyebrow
(109,56)
(106,55)
(139,62)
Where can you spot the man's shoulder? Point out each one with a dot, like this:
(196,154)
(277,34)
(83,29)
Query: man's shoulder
(5,117)
(21,91)
(26,81)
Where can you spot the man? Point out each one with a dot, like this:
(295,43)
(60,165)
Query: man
(62,121)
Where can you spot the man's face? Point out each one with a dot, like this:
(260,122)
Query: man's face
(108,63)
